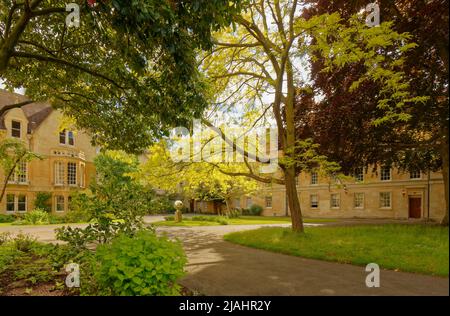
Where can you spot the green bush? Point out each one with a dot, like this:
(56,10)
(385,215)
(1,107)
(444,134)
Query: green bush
(79,209)
(256,210)
(37,217)
(169,218)
(43,201)
(139,266)
(234,213)
(216,219)
(7,218)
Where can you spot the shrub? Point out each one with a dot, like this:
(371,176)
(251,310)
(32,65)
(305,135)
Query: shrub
(140,265)
(4,238)
(7,218)
(24,243)
(216,219)
(79,209)
(43,201)
(234,213)
(37,217)
(256,210)
(162,205)
(169,218)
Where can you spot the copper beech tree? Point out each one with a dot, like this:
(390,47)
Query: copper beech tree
(346,123)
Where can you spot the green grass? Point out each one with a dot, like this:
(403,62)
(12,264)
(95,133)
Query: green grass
(409,248)
(243,220)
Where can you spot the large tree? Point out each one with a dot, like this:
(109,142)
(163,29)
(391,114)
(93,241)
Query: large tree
(346,122)
(126,73)
(201,181)
(261,63)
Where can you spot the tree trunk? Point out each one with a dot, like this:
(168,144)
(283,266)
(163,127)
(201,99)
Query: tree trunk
(444,154)
(294,201)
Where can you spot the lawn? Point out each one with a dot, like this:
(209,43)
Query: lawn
(243,220)
(409,248)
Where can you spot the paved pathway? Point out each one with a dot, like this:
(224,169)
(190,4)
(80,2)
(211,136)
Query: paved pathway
(217,267)
(221,268)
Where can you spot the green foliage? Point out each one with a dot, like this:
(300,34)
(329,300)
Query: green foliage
(117,204)
(217,219)
(7,218)
(25,260)
(37,217)
(24,243)
(255,210)
(127,73)
(235,213)
(43,201)
(348,42)
(162,205)
(141,265)
(78,209)
(169,218)
(12,152)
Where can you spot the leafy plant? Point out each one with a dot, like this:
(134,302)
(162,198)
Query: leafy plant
(141,265)
(217,219)
(37,217)
(43,201)
(7,218)
(24,243)
(117,205)
(256,210)
(235,213)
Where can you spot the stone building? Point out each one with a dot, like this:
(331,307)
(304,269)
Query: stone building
(384,193)
(67,156)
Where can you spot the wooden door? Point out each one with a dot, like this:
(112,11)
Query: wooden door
(415,207)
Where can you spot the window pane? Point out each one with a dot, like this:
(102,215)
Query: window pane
(62,137)
(21,172)
(385,174)
(359,200)
(359,175)
(335,201)
(71,139)
(60,207)
(268,201)
(59,173)
(415,175)
(72,173)
(314,201)
(22,203)
(385,199)
(10,202)
(314,178)
(15,129)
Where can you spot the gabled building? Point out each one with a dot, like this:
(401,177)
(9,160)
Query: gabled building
(67,156)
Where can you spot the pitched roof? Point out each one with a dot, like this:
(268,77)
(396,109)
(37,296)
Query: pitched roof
(35,112)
